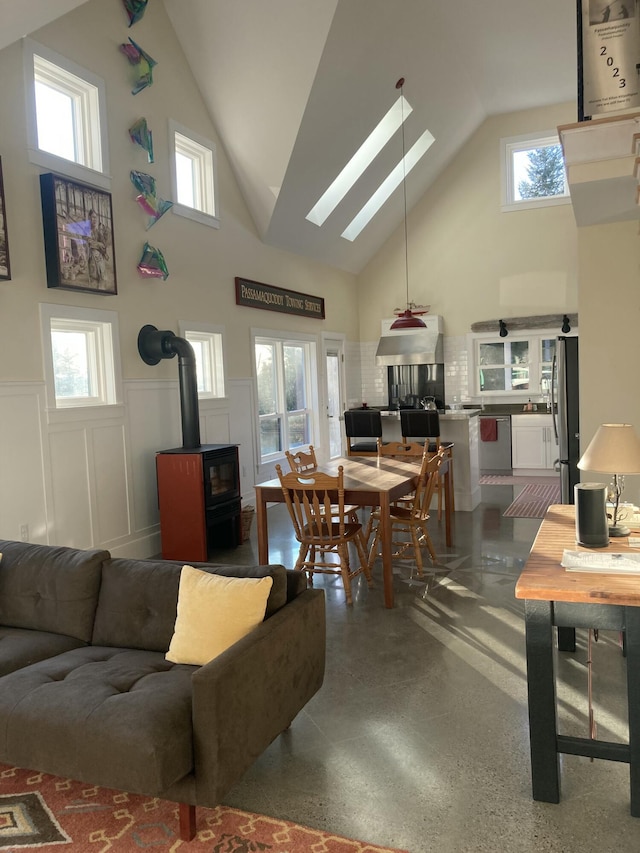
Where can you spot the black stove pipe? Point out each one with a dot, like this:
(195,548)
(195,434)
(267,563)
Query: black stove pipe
(154,345)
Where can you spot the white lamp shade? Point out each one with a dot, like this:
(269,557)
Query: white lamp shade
(614,449)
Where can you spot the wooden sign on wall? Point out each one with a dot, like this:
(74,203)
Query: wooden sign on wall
(255,294)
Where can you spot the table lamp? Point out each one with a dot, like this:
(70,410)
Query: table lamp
(614,449)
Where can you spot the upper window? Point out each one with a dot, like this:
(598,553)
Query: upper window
(207,342)
(533,173)
(193,174)
(66,116)
(81,356)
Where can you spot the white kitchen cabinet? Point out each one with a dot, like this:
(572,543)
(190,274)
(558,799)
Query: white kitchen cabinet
(533,443)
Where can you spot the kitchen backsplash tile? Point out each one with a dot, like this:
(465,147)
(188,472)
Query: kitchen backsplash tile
(366,382)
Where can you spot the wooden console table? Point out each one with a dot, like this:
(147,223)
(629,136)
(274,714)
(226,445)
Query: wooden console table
(556,597)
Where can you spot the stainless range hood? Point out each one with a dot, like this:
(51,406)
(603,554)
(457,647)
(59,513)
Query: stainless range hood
(420,346)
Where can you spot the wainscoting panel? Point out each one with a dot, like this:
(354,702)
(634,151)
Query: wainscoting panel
(23,509)
(71,511)
(153,422)
(109,479)
(242,420)
(214,426)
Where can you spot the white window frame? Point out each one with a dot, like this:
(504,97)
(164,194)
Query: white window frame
(88,94)
(536,364)
(526,142)
(101,329)
(202,152)
(213,381)
(281,339)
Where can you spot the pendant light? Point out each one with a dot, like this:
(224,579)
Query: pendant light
(409,318)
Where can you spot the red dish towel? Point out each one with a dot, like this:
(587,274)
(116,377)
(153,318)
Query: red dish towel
(488,429)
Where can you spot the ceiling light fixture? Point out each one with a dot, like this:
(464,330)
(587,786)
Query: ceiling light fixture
(566,325)
(407,319)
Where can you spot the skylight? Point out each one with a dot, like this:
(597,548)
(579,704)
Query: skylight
(393,180)
(363,157)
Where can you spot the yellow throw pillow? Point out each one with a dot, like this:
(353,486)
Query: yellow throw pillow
(214,612)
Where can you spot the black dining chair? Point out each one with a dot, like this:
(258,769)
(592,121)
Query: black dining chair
(423,425)
(363,428)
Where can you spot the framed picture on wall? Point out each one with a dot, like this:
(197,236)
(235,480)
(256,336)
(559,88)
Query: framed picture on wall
(5,267)
(78,236)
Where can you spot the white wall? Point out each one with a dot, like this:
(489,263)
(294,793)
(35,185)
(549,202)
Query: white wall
(609,333)
(87,481)
(468,260)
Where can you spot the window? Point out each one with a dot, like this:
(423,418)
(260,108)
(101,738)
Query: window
(193,175)
(503,366)
(285,394)
(533,173)
(66,116)
(515,365)
(81,358)
(207,342)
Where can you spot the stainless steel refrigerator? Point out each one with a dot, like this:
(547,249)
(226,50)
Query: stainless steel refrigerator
(566,413)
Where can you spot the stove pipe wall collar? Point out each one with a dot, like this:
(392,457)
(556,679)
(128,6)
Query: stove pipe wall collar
(154,345)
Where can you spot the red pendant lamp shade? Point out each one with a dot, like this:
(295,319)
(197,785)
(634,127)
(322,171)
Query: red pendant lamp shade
(407,319)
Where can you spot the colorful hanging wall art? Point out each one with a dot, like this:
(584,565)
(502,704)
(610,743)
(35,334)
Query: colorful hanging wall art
(147,197)
(141,135)
(143,65)
(135,10)
(152,263)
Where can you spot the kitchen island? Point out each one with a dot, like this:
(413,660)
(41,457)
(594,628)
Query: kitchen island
(462,428)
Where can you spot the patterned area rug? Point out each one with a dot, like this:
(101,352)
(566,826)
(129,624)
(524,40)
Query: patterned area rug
(533,501)
(508,480)
(48,813)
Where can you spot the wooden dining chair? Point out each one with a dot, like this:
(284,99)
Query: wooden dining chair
(409,451)
(411,520)
(303,463)
(311,499)
(424,425)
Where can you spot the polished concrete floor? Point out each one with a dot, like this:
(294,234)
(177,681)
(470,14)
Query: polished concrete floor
(418,738)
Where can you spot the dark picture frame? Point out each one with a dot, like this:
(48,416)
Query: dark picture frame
(78,235)
(5,266)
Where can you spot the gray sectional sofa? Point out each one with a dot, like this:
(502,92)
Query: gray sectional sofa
(86,692)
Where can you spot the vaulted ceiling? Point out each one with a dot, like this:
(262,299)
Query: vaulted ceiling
(294,86)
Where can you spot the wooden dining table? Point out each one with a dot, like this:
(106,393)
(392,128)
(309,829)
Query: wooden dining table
(368,481)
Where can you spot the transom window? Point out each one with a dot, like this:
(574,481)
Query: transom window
(207,342)
(81,363)
(66,115)
(285,394)
(193,174)
(533,173)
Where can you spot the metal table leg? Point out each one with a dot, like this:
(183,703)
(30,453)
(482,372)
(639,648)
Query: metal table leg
(632,643)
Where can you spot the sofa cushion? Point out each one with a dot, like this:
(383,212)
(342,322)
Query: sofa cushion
(49,588)
(113,717)
(21,646)
(215,612)
(138,600)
